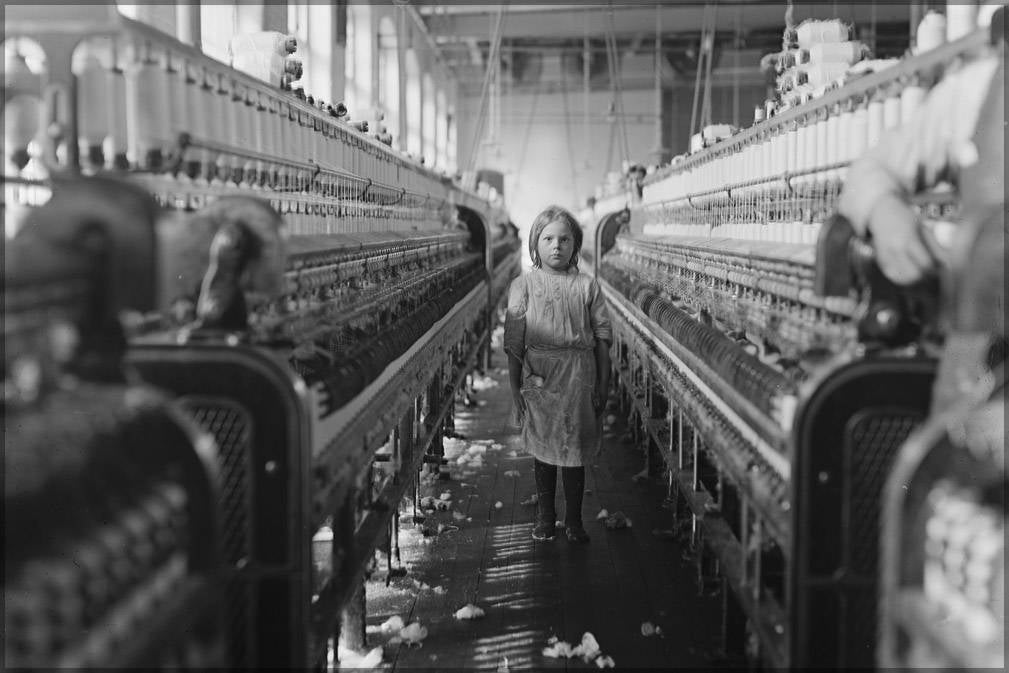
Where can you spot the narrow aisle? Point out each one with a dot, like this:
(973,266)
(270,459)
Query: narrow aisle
(472,544)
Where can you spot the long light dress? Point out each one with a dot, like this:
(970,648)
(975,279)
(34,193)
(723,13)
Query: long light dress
(552,324)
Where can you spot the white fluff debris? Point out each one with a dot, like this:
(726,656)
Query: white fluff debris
(617,520)
(427,502)
(605,661)
(531,500)
(443,505)
(445,496)
(588,649)
(648,629)
(476,450)
(557,649)
(453,445)
(640,476)
(458,516)
(469,611)
(497,446)
(513,454)
(484,383)
(602,514)
(611,419)
(511,473)
(413,634)
(462,460)
(391,625)
(498,505)
(352,660)
(440,590)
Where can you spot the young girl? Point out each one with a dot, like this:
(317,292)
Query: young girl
(557,337)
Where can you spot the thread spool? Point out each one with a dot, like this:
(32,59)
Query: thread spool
(858,133)
(182,105)
(247,136)
(811,32)
(985,13)
(233,95)
(833,131)
(821,147)
(93,100)
(891,111)
(147,108)
(791,147)
(961,19)
(22,110)
(844,140)
(931,32)
(213,116)
(192,78)
(911,99)
(874,124)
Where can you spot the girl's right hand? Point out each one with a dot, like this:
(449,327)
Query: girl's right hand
(520,405)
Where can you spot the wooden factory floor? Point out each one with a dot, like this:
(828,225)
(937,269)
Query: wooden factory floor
(531,591)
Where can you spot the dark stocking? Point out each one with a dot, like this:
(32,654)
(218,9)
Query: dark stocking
(546,491)
(574,490)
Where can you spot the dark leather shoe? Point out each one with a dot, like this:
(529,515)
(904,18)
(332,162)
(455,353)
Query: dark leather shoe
(544,531)
(577,534)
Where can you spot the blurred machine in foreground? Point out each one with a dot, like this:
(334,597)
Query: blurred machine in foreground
(312,301)
(765,360)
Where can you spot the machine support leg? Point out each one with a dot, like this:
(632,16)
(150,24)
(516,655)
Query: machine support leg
(679,438)
(352,632)
(733,623)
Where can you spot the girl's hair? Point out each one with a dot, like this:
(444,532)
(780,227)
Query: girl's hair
(549,215)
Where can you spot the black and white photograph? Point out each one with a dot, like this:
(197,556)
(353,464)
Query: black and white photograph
(413,336)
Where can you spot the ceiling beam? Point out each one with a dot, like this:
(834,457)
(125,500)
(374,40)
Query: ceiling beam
(573,22)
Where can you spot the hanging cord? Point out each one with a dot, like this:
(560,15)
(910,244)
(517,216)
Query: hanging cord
(492,63)
(567,135)
(710,48)
(478,127)
(617,84)
(613,109)
(528,129)
(705,47)
(609,150)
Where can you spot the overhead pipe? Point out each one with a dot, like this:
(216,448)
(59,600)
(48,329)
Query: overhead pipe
(431,43)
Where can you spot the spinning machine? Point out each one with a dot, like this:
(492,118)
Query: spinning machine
(765,360)
(316,300)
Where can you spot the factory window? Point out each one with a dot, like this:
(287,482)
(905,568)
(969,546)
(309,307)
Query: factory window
(357,94)
(161,17)
(452,146)
(312,24)
(414,105)
(430,125)
(441,156)
(218,23)
(388,63)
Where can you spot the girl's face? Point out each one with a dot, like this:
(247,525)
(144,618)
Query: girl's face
(556,246)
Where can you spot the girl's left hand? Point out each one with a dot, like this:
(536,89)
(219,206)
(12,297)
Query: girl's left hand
(598,401)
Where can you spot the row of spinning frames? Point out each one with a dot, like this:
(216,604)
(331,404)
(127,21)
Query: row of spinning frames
(784,386)
(289,369)
(219,383)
